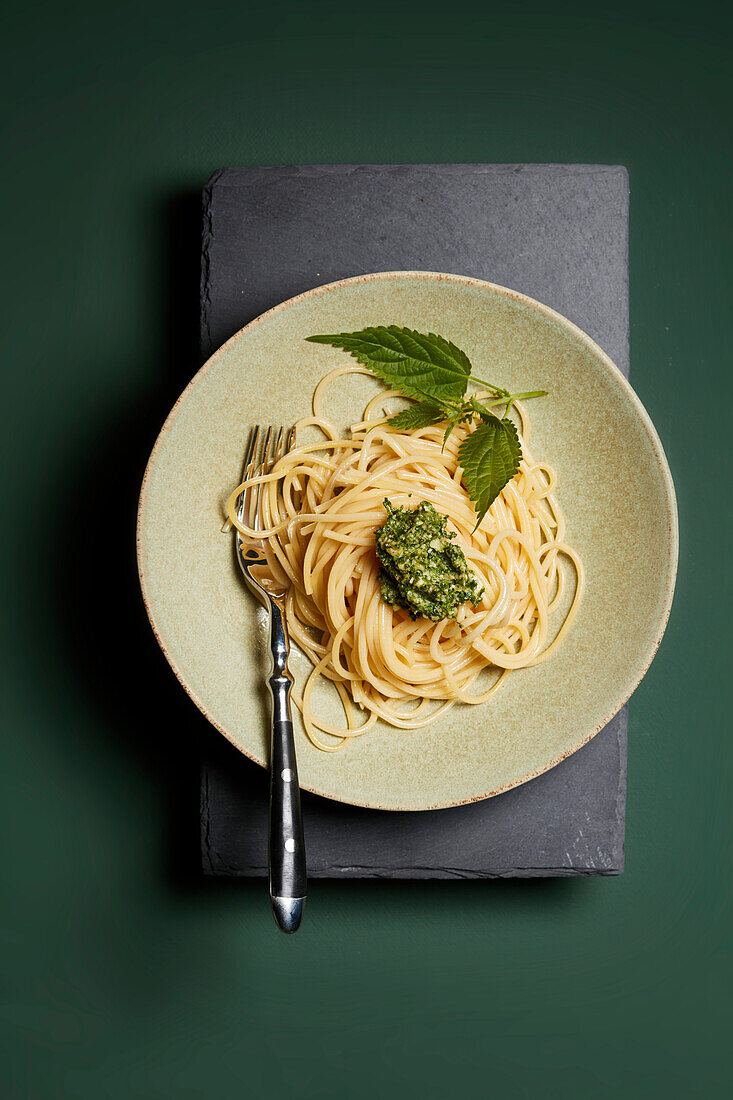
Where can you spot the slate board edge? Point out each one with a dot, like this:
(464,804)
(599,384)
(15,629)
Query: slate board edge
(214,865)
(243,175)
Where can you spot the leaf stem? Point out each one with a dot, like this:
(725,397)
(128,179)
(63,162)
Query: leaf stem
(512,397)
(503,394)
(489,385)
(529,393)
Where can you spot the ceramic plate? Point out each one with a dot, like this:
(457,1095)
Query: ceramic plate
(614,488)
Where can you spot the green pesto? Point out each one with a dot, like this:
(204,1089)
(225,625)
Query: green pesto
(422,568)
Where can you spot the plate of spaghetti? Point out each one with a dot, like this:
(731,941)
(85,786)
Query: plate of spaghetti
(477,574)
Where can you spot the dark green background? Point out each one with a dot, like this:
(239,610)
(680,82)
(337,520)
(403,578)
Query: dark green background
(124,973)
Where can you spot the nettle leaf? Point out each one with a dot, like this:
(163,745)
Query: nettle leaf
(416,363)
(420,415)
(490,458)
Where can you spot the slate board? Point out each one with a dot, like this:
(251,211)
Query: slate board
(556,232)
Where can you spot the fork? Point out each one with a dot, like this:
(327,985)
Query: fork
(286,848)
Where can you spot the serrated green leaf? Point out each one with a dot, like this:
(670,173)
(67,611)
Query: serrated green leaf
(490,458)
(419,364)
(419,415)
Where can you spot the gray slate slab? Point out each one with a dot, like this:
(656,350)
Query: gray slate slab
(556,232)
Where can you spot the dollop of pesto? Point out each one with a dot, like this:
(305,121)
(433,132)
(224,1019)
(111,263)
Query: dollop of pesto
(423,570)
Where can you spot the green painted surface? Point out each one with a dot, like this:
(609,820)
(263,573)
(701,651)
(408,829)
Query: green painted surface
(124,974)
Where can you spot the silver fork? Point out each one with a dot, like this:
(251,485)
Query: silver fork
(286,857)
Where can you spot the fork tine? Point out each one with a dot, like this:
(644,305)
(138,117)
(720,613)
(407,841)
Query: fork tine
(281,447)
(289,446)
(278,452)
(251,450)
(247,471)
(261,468)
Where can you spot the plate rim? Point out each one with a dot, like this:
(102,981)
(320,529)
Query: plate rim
(604,359)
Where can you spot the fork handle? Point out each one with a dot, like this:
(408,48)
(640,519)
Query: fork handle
(288,880)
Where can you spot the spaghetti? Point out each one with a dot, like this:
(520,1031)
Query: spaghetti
(321,506)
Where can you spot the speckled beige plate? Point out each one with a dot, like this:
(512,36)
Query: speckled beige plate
(614,488)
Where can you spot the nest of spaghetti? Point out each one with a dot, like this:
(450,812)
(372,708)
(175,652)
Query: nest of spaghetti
(321,507)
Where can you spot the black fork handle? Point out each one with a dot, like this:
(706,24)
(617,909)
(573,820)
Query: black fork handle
(287,865)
